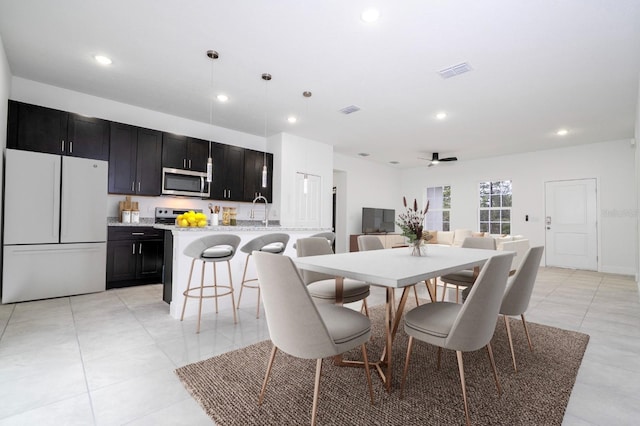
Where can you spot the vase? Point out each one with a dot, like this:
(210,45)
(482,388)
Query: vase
(418,248)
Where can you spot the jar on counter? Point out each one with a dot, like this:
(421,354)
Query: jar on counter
(226,216)
(126,216)
(232,216)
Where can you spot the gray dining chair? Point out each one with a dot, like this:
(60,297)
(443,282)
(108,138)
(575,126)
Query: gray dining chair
(322,287)
(466,277)
(462,327)
(518,293)
(300,328)
(275,242)
(372,242)
(328,235)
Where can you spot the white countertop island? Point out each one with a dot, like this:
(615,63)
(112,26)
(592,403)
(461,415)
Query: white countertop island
(180,264)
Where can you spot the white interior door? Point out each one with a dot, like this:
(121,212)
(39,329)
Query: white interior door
(571,224)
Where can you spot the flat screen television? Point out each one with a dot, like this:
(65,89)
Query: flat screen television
(377,221)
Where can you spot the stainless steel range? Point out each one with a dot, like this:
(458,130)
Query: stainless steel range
(167,215)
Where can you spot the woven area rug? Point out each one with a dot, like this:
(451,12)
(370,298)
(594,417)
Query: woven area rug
(227,386)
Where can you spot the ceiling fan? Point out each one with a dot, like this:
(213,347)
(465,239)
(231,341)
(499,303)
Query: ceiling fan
(435,159)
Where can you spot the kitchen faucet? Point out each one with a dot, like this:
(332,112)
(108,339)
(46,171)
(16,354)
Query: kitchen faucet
(266,218)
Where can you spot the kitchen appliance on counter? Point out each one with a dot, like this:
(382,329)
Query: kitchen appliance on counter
(168,215)
(55,226)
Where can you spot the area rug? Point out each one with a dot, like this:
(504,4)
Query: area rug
(227,386)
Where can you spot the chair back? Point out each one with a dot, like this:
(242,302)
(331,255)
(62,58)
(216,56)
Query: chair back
(329,236)
(476,321)
(264,240)
(485,243)
(196,248)
(313,246)
(519,287)
(369,242)
(295,326)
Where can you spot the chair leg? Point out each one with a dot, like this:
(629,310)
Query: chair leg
(444,290)
(513,354)
(406,365)
(464,387)
(365,307)
(526,331)
(267,374)
(368,372)
(316,391)
(244,275)
(415,292)
(457,294)
(258,303)
(215,284)
(493,366)
(233,299)
(201,294)
(184,304)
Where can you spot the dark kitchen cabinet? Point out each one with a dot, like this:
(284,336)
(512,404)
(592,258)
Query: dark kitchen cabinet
(182,152)
(253,164)
(228,172)
(135,160)
(134,256)
(36,128)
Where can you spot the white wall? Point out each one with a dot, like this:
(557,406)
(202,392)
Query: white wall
(637,164)
(5,87)
(611,163)
(293,155)
(359,184)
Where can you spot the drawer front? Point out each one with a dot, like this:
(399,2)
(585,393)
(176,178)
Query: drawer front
(134,233)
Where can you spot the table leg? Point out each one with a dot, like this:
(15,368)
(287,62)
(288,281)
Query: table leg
(432,291)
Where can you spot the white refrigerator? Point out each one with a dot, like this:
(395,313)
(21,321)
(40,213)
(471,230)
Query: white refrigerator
(55,226)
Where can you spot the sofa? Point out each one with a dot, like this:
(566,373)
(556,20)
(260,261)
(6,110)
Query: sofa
(515,243)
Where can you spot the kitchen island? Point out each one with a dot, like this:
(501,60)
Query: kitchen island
(177,265)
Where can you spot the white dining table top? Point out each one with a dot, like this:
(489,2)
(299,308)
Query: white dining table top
(396,267)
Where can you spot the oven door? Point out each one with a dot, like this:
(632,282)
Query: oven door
(185,182)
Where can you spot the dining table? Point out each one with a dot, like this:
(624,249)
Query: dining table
(394,268)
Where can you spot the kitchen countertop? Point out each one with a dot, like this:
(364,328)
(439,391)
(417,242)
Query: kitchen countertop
(144,221)
(274,228)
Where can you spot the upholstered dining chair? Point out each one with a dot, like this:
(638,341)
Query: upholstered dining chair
(301,328)
(322,287)
(518,293)
(462,327)
(329,236)
(466,277)
(371,242)
(276,243)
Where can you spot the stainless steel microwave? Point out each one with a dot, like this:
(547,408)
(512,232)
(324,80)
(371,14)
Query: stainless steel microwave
(185,182)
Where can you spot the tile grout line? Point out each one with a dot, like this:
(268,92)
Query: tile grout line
(6,324)
(84,370)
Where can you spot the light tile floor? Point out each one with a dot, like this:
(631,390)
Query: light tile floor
(108,358)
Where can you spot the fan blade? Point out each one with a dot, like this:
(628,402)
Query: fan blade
(449,159)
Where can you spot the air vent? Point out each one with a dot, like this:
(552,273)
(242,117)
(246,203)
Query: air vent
(455,70)
(349,109)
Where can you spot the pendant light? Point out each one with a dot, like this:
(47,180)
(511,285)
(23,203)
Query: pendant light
(266,77)
(305,181)
(213,55)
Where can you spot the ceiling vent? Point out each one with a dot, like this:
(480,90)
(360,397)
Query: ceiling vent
(349,109)
(455,70)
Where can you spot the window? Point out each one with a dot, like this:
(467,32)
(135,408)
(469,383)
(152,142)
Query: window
(495,207)
(438,216)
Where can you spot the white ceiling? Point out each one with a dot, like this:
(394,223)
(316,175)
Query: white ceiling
(537,66)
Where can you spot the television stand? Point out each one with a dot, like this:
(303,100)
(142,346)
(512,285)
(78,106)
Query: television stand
(389,240)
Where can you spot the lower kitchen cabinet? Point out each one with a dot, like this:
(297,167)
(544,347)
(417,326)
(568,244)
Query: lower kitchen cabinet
(134,256)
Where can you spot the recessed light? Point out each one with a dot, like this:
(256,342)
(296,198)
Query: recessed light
(562,132)
(370,15)
(222,98)
(441,115)
(363,154)
(292,119)
(103,60)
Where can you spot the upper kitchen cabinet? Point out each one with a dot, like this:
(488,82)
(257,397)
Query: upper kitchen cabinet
(228,172)
(253,164)
(36,128)
(182,152)
(135,160)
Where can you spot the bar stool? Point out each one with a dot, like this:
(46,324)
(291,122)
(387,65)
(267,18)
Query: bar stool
(275,243)
(212,249)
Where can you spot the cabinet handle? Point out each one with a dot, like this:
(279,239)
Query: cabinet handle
(62,146)
(138,186)
(133,248)
(140,248)
(184,163)
(132,186)
(71,147)
(137,233)
(189,163)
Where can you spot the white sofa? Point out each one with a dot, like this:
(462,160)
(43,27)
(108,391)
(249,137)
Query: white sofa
(515,243)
